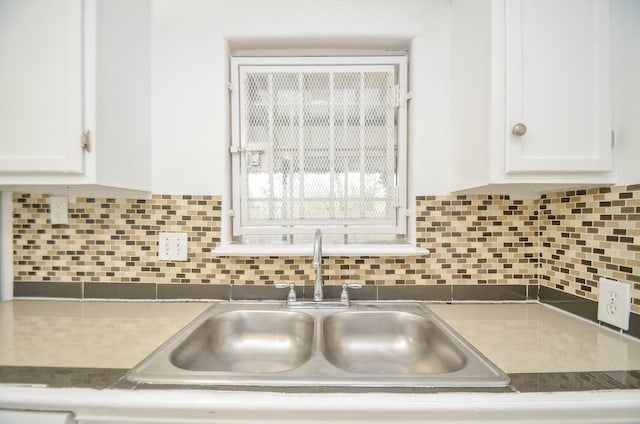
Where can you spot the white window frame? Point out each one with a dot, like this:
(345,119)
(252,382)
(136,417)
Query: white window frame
(239,66)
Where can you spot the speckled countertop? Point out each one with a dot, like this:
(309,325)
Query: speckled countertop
(86,334)
(92,343)
(534,338)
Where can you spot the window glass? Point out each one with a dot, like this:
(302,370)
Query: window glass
(319,145)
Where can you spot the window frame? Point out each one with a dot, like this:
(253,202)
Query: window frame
(400,64)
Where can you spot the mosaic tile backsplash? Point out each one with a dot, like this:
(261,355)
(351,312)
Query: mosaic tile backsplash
(588,234)
(564,241)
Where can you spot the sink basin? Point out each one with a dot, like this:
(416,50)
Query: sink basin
(370,344)
(248,341)
(388,342)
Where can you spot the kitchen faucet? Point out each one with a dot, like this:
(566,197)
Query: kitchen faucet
(318,295)
(317,264)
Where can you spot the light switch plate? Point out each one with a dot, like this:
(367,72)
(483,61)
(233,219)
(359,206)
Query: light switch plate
(59,210)
(172,246)
(614,302)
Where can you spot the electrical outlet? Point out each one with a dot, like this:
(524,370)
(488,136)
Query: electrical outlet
(59,210)
(614,303)
(172,246)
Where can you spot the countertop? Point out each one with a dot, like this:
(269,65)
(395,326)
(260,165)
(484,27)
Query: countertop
(518,337)
(89,345)
(88,334)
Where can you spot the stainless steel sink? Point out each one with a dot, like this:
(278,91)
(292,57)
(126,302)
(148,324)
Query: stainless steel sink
(388,342)
(370,344)
(247,341)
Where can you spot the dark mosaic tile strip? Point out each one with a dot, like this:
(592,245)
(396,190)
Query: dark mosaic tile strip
(500,292)
(422,293)
(576,305)
(194,291)
(127,385)
(62,290)
(269,292)
(627,379)
(582,307)
(445,293)
(333,292)
(442,293)
(101,378)
(574,381)
(119,291)
(96,378)
(634,325)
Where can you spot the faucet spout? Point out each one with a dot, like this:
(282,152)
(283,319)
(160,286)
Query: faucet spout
(317,264)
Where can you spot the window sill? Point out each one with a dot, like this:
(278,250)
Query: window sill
(327,250)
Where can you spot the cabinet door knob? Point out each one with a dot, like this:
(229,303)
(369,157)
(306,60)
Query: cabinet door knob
(519,129)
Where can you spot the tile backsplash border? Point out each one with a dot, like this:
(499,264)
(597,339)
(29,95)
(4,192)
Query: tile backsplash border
(564,241)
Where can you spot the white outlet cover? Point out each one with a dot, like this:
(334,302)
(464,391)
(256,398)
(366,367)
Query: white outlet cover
(172,246)
(59,210)
(614,303)
(181,245)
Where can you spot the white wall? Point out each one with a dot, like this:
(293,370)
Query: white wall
(190,43)
(6,245)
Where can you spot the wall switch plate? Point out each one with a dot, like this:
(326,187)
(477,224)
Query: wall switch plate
(614,303)
(172,246)
(59,210)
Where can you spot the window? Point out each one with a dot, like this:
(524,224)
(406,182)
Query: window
(318,142)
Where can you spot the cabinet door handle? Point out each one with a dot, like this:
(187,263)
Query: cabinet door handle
(519,129)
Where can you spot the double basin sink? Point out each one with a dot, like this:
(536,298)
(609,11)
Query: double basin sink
(374,344)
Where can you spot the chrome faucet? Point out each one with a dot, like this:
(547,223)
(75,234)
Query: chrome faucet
(317,264)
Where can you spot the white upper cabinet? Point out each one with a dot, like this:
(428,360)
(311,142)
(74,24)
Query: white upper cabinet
(74,71)
(530,94)
(558,85)
(41,85)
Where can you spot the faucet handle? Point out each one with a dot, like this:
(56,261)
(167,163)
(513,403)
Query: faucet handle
(291,297)
(344,296)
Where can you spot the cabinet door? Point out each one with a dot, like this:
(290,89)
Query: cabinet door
(558,85)
(41,86)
